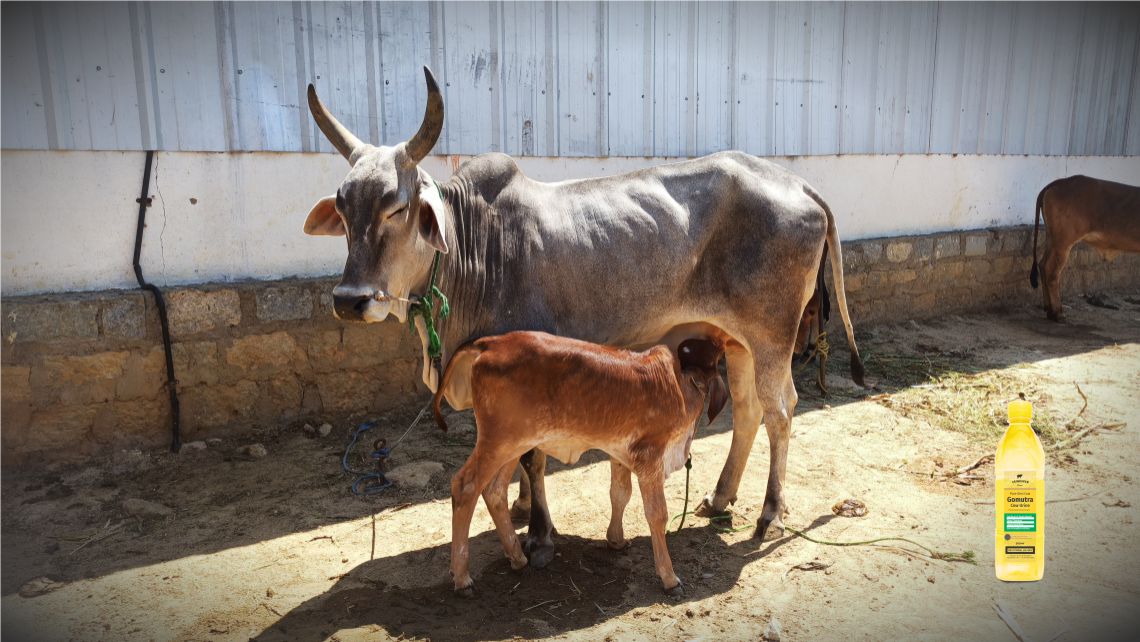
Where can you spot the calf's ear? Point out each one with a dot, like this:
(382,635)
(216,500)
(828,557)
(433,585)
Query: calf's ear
(718,396)
(430,217)
(323,219)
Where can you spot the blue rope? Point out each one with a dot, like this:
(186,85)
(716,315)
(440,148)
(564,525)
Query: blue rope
(367,482)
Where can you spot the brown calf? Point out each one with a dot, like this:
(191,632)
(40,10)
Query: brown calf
(1104,214)
(535,390)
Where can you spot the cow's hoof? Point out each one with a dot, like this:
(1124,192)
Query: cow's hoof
(540,556)
(619,545)
(677,592)
(768,529)
(706,509)
(519,564)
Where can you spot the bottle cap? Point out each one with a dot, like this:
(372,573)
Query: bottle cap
(1020,411)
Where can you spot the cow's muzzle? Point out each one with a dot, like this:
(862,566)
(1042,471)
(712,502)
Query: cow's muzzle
(351,303)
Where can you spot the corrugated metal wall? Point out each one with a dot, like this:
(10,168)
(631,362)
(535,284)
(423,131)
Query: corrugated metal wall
(580,79)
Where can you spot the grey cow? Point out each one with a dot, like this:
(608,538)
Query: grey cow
(726,246)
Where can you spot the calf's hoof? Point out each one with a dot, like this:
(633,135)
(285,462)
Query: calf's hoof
(768,529)
(519,564)
(619,545)
(520,512)
(467,592)
(465,588)
(677,592)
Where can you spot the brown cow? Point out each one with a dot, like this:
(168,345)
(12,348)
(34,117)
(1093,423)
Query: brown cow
(1104,214)
(565,396)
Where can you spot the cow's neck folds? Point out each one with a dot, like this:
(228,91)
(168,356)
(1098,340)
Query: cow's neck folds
(471,272)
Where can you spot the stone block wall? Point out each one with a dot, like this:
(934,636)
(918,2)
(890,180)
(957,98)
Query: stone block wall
(918,277)
(84,373)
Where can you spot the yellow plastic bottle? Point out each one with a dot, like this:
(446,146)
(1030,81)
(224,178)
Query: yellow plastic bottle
(1019,467)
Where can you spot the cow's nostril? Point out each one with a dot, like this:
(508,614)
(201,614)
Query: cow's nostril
(350,307)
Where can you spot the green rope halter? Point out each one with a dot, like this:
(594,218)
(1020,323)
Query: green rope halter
(425,306)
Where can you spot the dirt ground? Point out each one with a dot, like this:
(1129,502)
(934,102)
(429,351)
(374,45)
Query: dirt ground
(276,548)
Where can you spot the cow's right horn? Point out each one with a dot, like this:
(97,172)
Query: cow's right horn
(420,144)
(342,139)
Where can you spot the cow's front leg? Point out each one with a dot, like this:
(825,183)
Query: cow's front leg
(539,545)
(746,415)
(778,421)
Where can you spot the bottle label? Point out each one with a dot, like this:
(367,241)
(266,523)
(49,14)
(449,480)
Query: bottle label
(1019,493)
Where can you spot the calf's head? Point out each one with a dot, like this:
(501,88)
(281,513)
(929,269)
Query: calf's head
(699,359)
(818,305)
(390,210)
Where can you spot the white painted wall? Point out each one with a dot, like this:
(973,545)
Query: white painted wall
(67,219)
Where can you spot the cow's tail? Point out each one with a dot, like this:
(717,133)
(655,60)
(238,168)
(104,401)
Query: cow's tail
(462,355)
(1036,224)
(836,256)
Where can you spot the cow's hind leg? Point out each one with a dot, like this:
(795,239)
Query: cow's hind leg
(1056,257)
(746,415)
(495,496)
(620,490)
(778,411)
(539,545)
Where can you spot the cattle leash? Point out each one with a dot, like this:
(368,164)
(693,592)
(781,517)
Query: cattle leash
(424,307)
(370,482)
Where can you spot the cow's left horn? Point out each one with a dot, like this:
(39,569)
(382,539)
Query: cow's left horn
(420,144)
(342,139)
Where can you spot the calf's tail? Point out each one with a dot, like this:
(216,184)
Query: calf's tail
(461,356)
(835,254)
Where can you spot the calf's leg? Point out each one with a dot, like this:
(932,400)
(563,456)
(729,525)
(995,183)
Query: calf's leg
(520,509)
(495,496)
(466,486)
(539,545)
(620,490)
(657,514)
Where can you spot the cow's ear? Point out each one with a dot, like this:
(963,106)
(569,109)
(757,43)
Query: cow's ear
(323,219)
(430,217)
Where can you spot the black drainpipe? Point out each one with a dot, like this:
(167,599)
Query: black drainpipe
(171,383)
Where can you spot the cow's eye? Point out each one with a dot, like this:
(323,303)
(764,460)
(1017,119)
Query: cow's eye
(399,211)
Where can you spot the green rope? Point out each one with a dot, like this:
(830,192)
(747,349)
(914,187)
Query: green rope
(967,556)
(685,510)
(425,308)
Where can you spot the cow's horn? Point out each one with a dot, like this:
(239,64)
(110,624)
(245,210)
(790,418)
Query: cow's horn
(342,139)
(425,138)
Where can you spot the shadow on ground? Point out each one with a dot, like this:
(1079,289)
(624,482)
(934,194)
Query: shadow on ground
(585,585)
